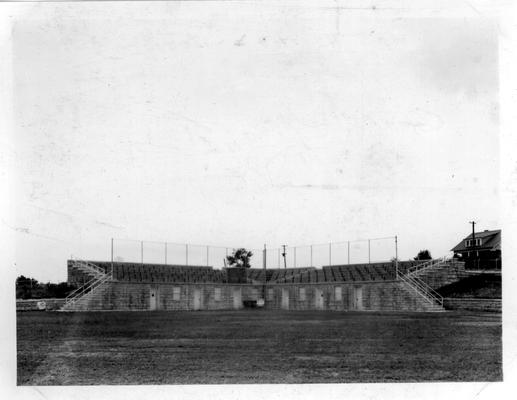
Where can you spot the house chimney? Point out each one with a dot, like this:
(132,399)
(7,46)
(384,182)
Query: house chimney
(473,233)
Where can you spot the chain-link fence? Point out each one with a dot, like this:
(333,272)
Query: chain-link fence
(334,253)
(314,255)
(148,252)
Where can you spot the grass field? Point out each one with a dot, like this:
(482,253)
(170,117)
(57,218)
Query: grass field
(256,347)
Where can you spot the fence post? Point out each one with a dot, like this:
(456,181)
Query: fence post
(165,253)
(142,251)
(330,254)
(396,258)
(186,254)
(207,257)
(311,256)
(111,259)
(368,251)
(348,252)
(264,265)
(294,257)
(279,257)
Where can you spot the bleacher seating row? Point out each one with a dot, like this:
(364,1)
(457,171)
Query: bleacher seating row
(257,274)
(161,273)
(167,273)
(343,273)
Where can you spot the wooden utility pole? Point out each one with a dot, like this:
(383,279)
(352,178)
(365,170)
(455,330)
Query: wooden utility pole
(474,242)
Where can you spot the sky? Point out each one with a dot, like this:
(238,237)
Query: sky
(268,124)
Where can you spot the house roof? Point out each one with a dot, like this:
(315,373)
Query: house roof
(491,241)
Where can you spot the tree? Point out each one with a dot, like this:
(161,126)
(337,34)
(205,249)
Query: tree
(423,255)
(240,258)
(29,288)
(26,288)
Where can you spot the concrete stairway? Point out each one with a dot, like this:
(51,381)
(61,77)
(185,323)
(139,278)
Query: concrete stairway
(94,300)
(443,273)
(420,299)
(81,298)
(417,279)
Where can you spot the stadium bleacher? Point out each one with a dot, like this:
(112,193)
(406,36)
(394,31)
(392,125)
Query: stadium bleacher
(339,273)
(161,273)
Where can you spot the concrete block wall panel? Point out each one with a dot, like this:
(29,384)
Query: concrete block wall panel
(32,304)
(444,275)
(385,296)
(378,296)
(473,304)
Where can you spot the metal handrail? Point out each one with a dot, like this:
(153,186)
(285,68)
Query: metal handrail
(91,284)
(423,289)
(90,265)
(72,294)
(428,264)
(418,290)
(87,284)
(425,265)
(82,290)
(86,289)
(428,289)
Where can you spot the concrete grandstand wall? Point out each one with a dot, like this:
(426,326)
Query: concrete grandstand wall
(437,277)
(357,296)
(136,286)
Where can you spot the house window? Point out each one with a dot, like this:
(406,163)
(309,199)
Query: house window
(302,294)
(473,242)
(176,293)
(270,294)
(217,294)
(337,293)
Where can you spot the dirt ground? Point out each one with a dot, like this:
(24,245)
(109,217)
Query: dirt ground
(256,346)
